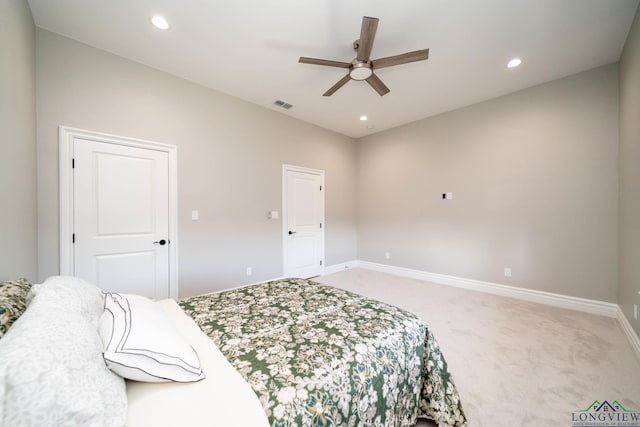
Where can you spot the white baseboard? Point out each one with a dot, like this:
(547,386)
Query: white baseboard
(557,300)
(631,335)
(336,268)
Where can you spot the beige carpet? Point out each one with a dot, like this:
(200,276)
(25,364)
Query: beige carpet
(515,363)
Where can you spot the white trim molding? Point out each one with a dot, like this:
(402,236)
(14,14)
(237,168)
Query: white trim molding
(585,305)
(557,300)
(628,331)
(336,268)
(67,135)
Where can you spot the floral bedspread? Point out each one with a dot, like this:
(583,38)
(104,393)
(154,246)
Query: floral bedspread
(320,356)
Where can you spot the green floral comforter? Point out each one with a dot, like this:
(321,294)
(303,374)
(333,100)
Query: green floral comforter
(320,356)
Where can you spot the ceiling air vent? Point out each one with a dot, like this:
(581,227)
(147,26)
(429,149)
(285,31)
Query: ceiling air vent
(283,104)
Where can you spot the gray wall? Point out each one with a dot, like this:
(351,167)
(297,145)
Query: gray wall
(230,156)
(535,185)
(534,176)
(630,174)
(18,254)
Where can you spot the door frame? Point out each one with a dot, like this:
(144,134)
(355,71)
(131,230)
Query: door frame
(67,136)
(285,204)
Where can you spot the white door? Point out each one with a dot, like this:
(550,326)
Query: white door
(121,217)
(303,222)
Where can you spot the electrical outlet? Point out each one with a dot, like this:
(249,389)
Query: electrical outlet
(249,271)
(507,272)
(387,255)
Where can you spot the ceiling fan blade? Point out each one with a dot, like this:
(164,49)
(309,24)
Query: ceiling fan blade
(367,34)
(377,84)
(337,86)
(326,62)
(403,58)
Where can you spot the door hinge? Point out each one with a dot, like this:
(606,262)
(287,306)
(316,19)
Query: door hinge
(73,163)
(73,238)
(321,188)
(320,262)
(320,225)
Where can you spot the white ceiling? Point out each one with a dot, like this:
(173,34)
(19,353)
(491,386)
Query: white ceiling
(250,48)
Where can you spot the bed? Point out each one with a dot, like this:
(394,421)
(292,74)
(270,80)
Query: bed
(290,352)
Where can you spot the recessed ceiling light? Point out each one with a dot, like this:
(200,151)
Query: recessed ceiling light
(363,118)
(159,22)
(514,63)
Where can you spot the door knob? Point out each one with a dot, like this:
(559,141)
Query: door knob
(292,232)
(161,242)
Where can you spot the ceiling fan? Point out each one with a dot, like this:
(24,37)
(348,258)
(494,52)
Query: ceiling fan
(362,67)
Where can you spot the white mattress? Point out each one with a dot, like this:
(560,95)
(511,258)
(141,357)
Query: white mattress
(222,399)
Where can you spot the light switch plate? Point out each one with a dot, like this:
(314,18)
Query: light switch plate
(195,215)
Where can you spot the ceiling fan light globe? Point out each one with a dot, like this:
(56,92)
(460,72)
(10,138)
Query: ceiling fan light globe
(361,71)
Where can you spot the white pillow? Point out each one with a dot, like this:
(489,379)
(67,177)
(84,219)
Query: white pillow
(51,368)
(83,297)
(141,344)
